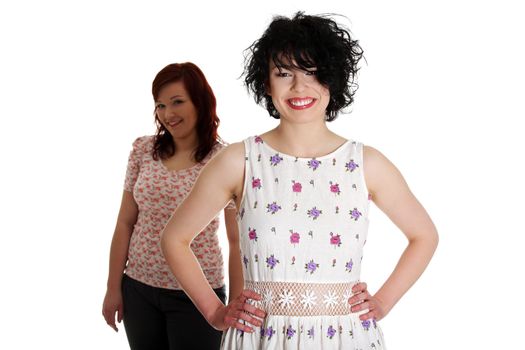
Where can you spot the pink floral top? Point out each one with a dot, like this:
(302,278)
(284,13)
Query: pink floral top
(158,191)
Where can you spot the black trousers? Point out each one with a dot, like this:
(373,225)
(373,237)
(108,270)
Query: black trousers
(165,319)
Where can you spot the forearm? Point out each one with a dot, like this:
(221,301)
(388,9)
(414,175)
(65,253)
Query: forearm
(411,265)
(236,281)
(118,255)
(189,275)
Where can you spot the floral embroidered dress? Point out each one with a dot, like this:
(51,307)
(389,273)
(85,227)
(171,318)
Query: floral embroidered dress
(303,224)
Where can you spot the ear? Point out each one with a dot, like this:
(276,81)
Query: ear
(267,88)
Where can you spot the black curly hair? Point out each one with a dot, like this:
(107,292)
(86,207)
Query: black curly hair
(305,42)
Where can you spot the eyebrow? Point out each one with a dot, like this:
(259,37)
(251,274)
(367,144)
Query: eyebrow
(283,67)
(171,98)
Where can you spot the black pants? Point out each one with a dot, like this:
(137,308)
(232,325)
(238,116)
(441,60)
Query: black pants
(158,319)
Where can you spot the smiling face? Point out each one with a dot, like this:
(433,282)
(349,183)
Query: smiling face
(175,111)
(297,94)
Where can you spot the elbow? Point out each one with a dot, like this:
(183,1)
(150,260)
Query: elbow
(164,242)
(434,241)
(433,238)
(430,240)
(172,243)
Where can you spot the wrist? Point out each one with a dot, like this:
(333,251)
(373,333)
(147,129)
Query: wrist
(115,284)
(214,316)
(385,303)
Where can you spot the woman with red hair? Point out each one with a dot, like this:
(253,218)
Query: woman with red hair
(161,171)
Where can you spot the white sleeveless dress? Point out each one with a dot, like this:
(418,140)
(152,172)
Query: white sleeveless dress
(303,224)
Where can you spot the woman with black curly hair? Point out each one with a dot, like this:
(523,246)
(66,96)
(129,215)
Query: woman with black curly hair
(303,195)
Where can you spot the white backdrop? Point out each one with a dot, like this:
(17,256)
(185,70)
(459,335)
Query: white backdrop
(440,95)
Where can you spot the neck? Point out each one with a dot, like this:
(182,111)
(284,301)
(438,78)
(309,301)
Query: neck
(186,144)
(303,140)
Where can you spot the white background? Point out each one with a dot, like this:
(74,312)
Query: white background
(440,95)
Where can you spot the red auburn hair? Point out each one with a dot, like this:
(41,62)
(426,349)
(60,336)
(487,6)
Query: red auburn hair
(203,99)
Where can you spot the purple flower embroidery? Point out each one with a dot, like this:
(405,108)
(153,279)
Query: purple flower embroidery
(366,324)
(355,214)
(273,208)
(314,213)
(252,234)
(268,332)
(256,183)
(271,261)
(296,187)
(331,332)
(245,261)
(311,332)
(276,159)
(335,240)
(334,188)
(290,332)
(294,237)
(349,265)
(311,266)
(314,164)
(351,165)
(258,139)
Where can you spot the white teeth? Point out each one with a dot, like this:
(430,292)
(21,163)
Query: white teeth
(302,102)
(174,122)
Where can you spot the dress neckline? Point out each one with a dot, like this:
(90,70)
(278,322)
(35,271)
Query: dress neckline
(259,140)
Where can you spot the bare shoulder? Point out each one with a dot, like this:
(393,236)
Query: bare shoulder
(374,160)
(230,156)
(226,168)
(380,172)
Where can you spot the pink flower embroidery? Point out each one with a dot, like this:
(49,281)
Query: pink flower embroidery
(256,183)
(297,187)
(252,234)
(294,237)
(335,239)
(334,188)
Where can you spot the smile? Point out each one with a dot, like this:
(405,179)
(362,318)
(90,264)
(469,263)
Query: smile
(301,103)
(173,123)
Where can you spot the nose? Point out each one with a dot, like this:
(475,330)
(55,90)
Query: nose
(170,109)
(298,83)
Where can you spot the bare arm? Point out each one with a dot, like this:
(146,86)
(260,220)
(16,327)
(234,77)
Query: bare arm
(219,181)
(118,257)
(392,195)
(234,262)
